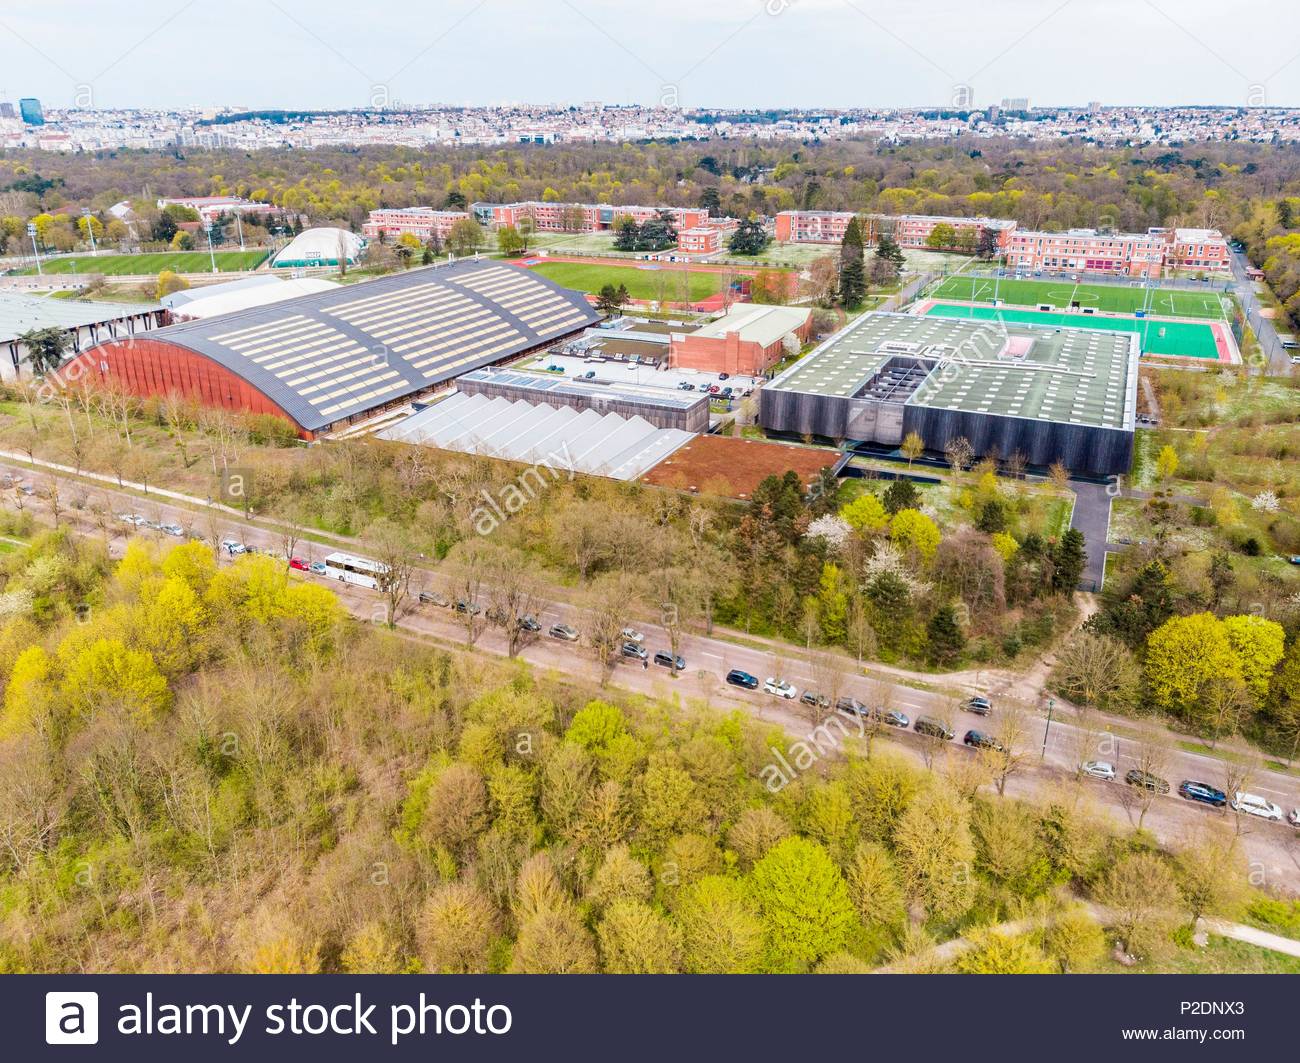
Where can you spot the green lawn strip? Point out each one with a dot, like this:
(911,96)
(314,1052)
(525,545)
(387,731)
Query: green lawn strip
(641,283)
(153,262)
(1116,298)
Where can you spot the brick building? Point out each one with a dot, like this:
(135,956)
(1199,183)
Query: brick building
(699,240)
(1146,254)
(581,217)
(749,339)
(424,223)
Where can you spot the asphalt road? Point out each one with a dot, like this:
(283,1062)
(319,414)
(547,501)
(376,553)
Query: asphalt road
(1050,752)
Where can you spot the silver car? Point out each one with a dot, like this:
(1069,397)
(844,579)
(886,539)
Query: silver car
(1098,769)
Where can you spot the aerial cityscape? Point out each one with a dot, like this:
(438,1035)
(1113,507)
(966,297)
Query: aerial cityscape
(649,538)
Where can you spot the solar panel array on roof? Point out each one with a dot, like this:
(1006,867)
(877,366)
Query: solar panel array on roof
(331,355)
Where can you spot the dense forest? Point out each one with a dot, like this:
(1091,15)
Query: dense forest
(207,769)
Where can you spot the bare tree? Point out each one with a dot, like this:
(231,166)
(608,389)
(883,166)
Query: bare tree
(830,675)
(391,544)
(1239,771)
(50,494)
(959,453)
(514,594)
(1011,734)
(607,617)
(1151,758)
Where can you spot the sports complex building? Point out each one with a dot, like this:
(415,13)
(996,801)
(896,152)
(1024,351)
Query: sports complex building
(332,358)
(1049,393)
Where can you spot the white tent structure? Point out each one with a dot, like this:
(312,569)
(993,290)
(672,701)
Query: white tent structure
(325,246)
(261,290)
(561,438)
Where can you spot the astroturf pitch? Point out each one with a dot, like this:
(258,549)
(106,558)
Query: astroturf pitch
(1111,298)
(1184,339)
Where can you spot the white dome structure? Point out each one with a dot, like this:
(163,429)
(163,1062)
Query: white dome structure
(325,246)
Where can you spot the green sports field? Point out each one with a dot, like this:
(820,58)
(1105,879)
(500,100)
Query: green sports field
(665,283)
(1183,339)
(1112,298)
(176,261)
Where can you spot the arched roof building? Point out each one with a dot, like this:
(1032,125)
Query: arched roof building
(330,358)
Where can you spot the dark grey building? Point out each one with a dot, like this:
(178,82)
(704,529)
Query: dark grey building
(1047,393)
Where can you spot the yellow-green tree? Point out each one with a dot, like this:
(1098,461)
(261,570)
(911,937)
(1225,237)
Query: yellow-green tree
(866,513)
(721,931)
(803,902)
(106,674)
(27,692)
(913,530)
(1259,644)
(1185,655)
(1166,462)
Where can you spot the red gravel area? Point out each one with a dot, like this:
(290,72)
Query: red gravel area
(725,465)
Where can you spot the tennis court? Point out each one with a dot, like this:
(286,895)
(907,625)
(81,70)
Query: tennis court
(1180,339)
(1108,298)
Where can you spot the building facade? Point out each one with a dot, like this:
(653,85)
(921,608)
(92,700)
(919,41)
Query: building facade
(812,226)
(581,217)
(424,223)
(210,207)
(699,240)
(748,340)
(910,230)
(1145,255)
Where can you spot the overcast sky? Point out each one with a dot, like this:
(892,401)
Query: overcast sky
(696,53)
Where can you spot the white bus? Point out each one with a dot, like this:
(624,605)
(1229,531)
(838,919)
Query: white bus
(359,570)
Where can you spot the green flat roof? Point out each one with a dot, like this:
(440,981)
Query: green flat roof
(1073,376)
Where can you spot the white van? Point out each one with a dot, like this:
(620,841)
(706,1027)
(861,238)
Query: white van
(1255,805)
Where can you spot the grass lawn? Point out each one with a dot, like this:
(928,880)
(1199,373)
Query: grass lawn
(177,261)
(643,281)
(1113,298)
(1183,339)
(1220,956)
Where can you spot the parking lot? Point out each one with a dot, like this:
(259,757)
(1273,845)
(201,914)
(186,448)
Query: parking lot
(638,374)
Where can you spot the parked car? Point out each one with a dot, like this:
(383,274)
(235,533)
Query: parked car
(1144,779)
(780,688)
(434,598)
(528,622)
(462,605)
(1294,817)
(631,634)
(892,717)
(815,700)
(299,565)
(737,678)
(928,725)
(634,650)
(846,703)
(1191,790)
(1098,769)
(318,568)
(590,374)
(980,740)
(233,547)
(172,529)
(1254,805)
(567,632)
(126,518)
(677,664)
(723,376)
(979,705)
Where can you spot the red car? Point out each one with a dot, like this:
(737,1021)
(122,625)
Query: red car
(299,564)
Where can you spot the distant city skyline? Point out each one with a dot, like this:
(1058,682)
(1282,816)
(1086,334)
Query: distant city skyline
(324,55)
